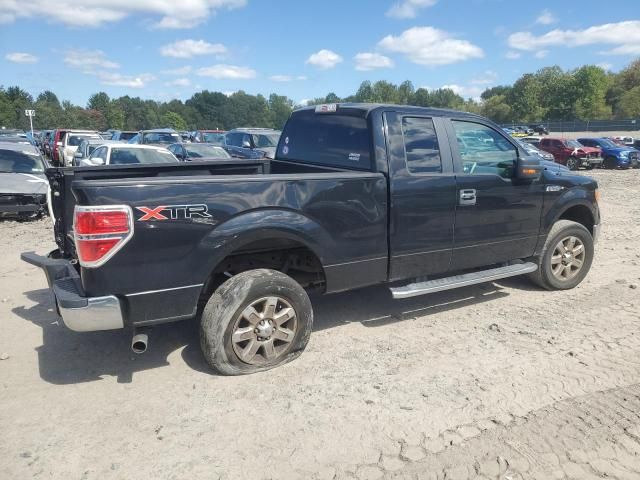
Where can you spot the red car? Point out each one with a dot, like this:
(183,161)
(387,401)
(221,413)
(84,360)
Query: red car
(571,153)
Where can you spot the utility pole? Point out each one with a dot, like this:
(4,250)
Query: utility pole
(30,114)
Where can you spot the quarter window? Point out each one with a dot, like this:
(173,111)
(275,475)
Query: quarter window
(483,150)
(421,145)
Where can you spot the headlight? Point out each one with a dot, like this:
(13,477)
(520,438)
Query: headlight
(624,154)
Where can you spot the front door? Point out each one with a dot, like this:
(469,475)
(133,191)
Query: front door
(423,196)
(497,216)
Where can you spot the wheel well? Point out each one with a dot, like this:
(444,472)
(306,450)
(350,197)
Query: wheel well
(284,255)
(579,214)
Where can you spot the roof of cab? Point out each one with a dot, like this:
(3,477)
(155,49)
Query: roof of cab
(368,108)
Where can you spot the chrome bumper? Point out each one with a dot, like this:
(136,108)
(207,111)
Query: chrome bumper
(79,312)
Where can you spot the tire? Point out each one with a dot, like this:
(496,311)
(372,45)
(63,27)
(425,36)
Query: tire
(241,306)
(610,163)
(572,163)
(548,263)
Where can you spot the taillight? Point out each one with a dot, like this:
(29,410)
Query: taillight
(100,231)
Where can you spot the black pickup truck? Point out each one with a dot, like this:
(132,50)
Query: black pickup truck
(420,199)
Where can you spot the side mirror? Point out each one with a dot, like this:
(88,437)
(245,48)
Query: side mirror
(528,169)
(246,144)
(96,161)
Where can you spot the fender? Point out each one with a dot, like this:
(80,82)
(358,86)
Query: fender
(265,224)
(569,198)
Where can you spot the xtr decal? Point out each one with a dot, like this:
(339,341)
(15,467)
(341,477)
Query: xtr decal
(173,212)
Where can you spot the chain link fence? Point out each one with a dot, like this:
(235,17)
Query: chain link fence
(630,125)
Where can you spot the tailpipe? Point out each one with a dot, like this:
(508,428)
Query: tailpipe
(139,343)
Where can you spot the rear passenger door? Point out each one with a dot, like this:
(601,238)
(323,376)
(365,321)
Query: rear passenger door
(497,216)
(423,196)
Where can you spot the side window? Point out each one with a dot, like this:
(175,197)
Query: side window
(483,150)
(421,145)
(100,153)
(246,138)
(233,139)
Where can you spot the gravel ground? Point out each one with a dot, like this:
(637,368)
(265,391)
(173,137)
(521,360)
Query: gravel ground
(499,380)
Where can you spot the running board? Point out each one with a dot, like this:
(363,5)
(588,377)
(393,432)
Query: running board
(457,281)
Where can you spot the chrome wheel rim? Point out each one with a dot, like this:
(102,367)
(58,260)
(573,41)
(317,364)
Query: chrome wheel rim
(568,258)
(264,330)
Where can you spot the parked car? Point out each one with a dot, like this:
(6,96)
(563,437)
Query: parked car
(87,147)
(215,137)
(357,195)
(571,153)
(188,152)
(628,141)
(123,136)
(158,136)
(66,142)
(532,139)
(615,156)
(252,142)
(539,129)
(121,154)
(535,151)
(23,185)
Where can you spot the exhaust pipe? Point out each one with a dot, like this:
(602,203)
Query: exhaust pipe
(139,343)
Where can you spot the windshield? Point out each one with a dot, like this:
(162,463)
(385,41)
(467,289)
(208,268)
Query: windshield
(13,161)
(74,140)
(605,143)
(573,144)
(128,156)
(203,150)
(160,137)
(215,138)
(268,140)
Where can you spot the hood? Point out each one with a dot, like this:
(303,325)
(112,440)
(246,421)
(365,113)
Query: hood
(589,150)
(554,167)
(618,150)
(27,183)
(269,152)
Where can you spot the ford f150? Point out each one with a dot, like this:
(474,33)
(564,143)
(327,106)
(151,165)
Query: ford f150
(420,199)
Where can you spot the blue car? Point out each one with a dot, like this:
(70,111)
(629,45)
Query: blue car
(615,156)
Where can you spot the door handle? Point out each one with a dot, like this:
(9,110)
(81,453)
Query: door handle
(467,197)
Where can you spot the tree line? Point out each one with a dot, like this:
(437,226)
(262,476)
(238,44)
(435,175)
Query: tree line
(551,93)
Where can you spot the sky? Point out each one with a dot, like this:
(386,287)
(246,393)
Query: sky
(165,49)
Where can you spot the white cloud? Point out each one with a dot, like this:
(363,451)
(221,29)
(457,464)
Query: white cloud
(408,8)
(178,71)
(430,46)
(546,17)
(604,66)
(179,82)
(324,59)
(286,78)
(541,53)
(371,61)
(623,36)
(88,60)
(119,80)
(192,48)
(222,71)
(466,91)
(511,55)
(21,57)
(186,14)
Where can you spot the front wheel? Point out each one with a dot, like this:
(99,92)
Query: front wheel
(610,163)
(255,321)
(566,257)
(572,163)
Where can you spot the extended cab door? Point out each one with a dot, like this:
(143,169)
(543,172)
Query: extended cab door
(497,216)
(423,196)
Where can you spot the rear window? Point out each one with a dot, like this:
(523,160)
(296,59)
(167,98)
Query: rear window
(333,139)
(128,156)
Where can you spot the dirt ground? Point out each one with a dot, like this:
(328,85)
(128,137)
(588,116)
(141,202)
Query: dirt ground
(499,380)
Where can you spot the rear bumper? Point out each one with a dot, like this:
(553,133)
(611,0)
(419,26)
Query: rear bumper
(79,312)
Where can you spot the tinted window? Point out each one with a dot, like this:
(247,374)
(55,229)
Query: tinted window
(234,139)
(483,150)
(268,140)
(127,156)
(126,135)
(340,140)
(203,150)
(421,145)
(74,140)
(215,138)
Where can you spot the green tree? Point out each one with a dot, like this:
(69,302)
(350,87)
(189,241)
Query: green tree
(497,109)
(524,99)
(280,108)
(173,120)
(446,98)
(629,104)
(592,84)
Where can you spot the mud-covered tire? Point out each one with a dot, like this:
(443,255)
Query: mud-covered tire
(562,229)
(227,307)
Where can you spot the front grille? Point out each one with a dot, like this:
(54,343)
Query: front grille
(21,199)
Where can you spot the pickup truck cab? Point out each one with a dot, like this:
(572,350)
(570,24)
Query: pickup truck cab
(117,153)
(419,199)
(615,156)
(571,153)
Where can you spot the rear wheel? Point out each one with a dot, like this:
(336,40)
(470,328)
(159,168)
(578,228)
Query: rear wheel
(256,320)
(566,257)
